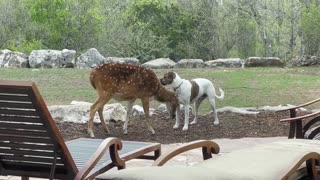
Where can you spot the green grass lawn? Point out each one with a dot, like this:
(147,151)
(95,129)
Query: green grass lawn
(248,87)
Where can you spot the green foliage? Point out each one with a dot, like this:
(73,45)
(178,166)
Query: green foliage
(25,46)
(246,37)
(310,27)
(16,25)
(55,15)
(143,45)
(69,24)
(149,29)
(169,21)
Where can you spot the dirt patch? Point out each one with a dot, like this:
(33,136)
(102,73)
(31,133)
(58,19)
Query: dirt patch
(232,125)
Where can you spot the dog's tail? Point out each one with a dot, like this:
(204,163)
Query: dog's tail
(221,94)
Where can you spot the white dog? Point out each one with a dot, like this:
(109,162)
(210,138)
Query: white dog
(190,91)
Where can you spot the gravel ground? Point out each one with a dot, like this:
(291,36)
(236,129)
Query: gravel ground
(232,125)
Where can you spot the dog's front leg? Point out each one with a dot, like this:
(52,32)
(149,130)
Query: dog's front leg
(186,117)
(176,126)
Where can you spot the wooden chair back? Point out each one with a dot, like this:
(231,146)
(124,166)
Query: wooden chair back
(30,142)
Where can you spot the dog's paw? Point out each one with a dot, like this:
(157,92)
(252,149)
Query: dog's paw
(185,128)
(216,122)
(193,122)
(176,126)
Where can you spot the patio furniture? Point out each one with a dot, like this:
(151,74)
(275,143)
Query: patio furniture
(32,146)
(276,160)
(298,129)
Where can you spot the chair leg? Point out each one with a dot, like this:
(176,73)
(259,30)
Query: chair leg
(157,153)
(121,167)
(311,169)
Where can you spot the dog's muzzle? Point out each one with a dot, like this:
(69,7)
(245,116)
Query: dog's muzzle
(163,81)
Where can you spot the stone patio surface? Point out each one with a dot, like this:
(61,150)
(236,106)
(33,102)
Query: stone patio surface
(191,157)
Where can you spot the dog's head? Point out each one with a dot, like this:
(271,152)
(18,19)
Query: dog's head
(168,78)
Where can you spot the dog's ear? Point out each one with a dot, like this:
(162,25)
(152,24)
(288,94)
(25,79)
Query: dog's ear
(172,75)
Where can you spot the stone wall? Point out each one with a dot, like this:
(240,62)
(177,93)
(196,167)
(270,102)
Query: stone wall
(91,58)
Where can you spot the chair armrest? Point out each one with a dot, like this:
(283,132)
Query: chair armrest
(301,105)
(114,144)
(300,117)
(208,148)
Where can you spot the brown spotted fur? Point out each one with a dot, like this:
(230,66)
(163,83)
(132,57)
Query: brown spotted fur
(126,82)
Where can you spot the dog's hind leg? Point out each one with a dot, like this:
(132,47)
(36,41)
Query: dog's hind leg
(197,106)
(213,107)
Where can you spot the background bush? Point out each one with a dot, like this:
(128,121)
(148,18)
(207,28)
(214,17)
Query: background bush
(148,29)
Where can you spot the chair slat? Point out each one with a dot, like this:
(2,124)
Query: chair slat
(12,90)
(21,112)
(15,132)
(21,119)
(23,145)
(18,152)
(25,139)
(22,126)
(30,159)
(6,104)
(32,165)
(14,98)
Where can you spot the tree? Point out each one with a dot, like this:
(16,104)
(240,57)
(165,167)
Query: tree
(17,31)
(72,24)
(163,20)
(310,27)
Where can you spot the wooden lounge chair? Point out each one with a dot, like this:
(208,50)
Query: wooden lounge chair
(298,129)
(32,146)
(272,161)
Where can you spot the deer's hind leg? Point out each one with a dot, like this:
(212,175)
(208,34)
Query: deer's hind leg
(145,104)
(129,112)
(103,123)
(97,106)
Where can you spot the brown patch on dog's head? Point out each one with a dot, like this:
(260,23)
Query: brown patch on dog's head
(168,78)
(194,90)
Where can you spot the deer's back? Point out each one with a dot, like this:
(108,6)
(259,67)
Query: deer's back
(124,81)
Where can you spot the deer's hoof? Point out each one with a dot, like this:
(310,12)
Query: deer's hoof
(106,130)
(91,135)
(125,132)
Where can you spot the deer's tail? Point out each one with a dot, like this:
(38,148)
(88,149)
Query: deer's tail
(92,81)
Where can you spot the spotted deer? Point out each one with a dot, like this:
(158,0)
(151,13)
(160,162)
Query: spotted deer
(126,82)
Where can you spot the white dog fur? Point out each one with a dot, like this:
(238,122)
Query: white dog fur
(193,91)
